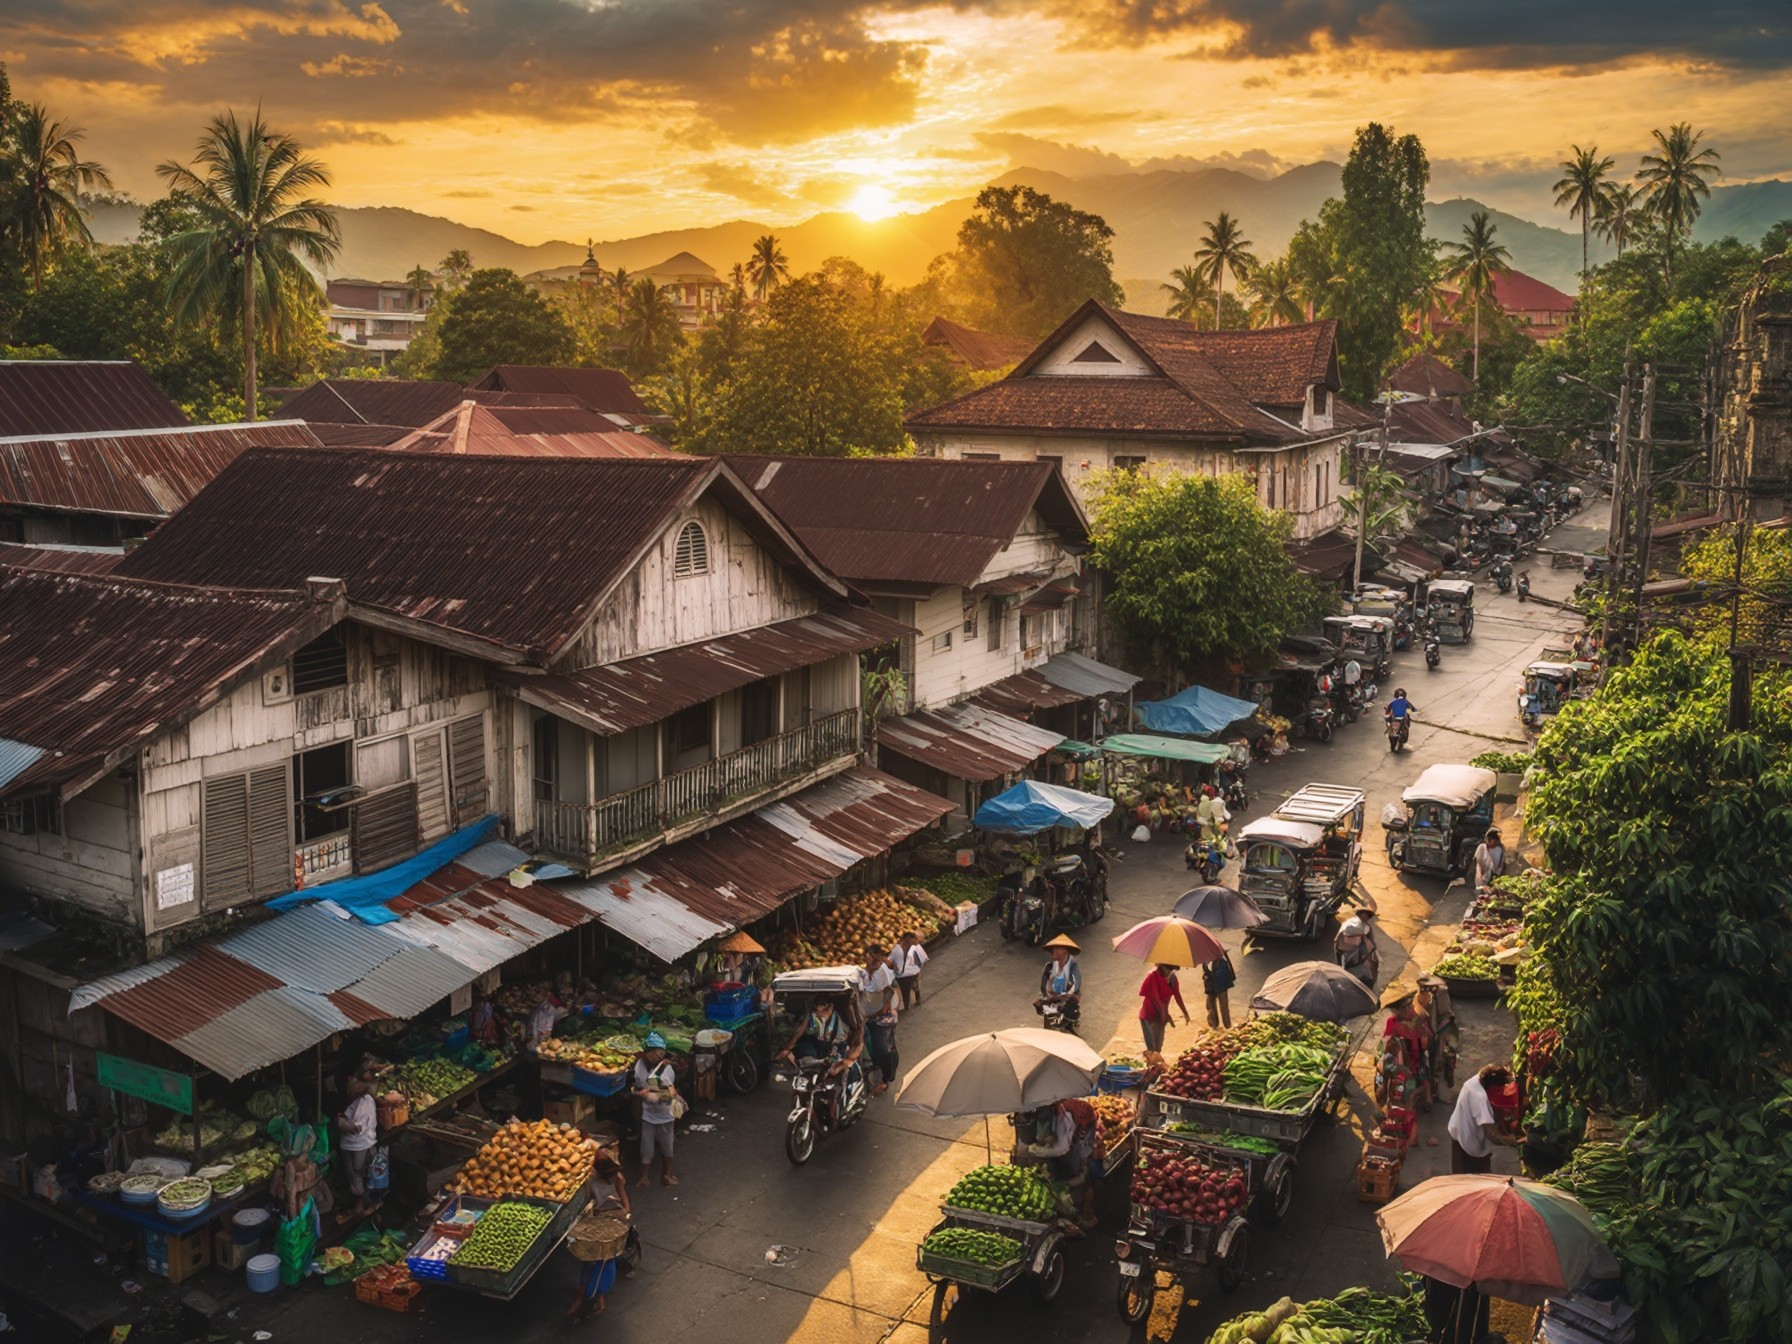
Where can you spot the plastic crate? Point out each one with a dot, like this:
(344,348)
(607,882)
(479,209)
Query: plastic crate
(722,1004)
(401,1296)
(1119,1080)
(427,1270)
(964,1271)
(598,1084)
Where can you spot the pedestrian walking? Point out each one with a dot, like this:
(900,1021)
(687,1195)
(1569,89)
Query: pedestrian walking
(1159,991)
(1474,1129)
(1355,946)
(609,1191)
(1217,979)
(656,1085)
(907,959)
(1490,862)
(877,1007)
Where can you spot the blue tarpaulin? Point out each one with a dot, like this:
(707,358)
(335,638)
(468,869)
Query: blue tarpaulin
(365,895)
(1031,807)
(1196,712)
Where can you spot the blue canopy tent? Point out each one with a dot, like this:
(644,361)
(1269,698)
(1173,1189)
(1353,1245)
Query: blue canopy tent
(1030,807)
(1196,712)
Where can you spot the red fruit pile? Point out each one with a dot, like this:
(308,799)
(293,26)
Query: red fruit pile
(1187,1187)
(1199,1073)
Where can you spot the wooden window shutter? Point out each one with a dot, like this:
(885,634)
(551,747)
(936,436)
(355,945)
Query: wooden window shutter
(386,829)
(224,840)
(270,831)
(466,768)
(432,786)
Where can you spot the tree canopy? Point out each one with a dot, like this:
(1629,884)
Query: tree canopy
(1199,571)
(497,319)
(1025,262)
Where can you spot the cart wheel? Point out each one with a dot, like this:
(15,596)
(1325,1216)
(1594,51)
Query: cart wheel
(945,1296)
(1278,1195)
(1323,732)
(1048,1281)
(743,1069)
(1136,1295)
(1232,1267)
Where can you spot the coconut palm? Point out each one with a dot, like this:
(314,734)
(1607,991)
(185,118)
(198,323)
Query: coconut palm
(1188,293)
(1225,248)
(1674,182)
(767,267)
(1616,220)
(737,277)
(1272,285)
(256,228)
(621,282)
(1582,189)
(421,283)
(1475,263)
(47,162)
(649,326)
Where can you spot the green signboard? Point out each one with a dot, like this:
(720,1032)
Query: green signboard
(173,1090)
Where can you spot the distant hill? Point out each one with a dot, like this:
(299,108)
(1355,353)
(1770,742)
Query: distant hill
(1156,216)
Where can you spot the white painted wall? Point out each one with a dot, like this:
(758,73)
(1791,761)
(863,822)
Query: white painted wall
(1062,361)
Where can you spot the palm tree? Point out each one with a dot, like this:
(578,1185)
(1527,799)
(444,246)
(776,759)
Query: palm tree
(737,276)
(1188,293)
(1224,248)
(1476,262)
(620,282)
(650,325)
(767,267)
(420,282)
(1432,295)
(52,176)
(1617,218)
(1673,179)
(1582,189)
(256,229)
(1273,286)
(456,268)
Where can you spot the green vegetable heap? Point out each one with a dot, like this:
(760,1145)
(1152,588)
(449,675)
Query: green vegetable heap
(501,1237)
(1288,1029)
(1598,1175)
(1277,1078)
(427,1081)
(971,1246)
(1467,966)
(1008,1192)
(1354,1316)
(1238,1143)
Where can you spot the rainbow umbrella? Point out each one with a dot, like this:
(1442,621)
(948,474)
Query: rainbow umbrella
(1510,1238)
(1170,941)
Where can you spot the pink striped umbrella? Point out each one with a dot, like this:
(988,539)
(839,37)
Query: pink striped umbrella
(1170,941)
(1511,1238)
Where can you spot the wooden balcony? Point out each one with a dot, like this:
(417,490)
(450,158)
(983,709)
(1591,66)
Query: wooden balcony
(626,824)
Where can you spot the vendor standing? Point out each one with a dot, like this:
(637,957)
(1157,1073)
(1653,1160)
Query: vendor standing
(609,1192)
(1355,946)
(656,1087)
(360,1130)
(1474,1129)
(1064,1135)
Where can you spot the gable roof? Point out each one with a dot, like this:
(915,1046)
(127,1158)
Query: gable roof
(920,520)
(1428,376)
(513,554)
(981,350)
(1517,292)
(1219,385)
(398,401)
(527,431)
(91,666)
(607,391)
(131,473)
(81,396)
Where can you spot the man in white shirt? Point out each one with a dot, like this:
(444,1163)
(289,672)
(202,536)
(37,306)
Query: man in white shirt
(906,959)
(359,1124)
(877,1006)
(1473,1128)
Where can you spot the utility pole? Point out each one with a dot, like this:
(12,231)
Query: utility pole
(1642,513)
(1362,496)
(1614,535)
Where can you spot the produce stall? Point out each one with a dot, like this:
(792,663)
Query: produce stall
(999,1226)
(1354,1316)
(837,936)
(1189,1208)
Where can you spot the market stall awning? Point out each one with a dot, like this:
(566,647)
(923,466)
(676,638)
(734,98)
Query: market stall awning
(1163,748)
(1030,807)
(1195,712)
(1085,676)
(614,697)
(966,741)
(1024,693)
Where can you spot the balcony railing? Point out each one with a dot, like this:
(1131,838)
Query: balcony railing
(591,831)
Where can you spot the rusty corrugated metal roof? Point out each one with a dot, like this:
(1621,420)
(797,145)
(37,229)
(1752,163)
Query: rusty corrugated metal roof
(81,396)
(373,401)
(557,431)
(966,741)
(61,559)
(1024,693)
(133,473)
(603,390)
(615,697)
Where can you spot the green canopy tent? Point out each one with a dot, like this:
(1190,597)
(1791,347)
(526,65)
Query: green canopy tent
(1164,748)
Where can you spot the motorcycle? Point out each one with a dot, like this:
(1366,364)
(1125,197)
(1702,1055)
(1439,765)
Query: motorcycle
(1023,913)
(1204,859)
(823,1105)
(1502,576)
(1233,788)
(1318,721)
(1433,653)
(1524,587)
(1063,1015)
(1402,631)
(1397,732)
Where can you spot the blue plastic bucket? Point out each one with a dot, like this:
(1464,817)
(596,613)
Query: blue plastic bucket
(264,1273)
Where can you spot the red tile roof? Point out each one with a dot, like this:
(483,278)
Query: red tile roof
(79,396)
(607,391)
(1428,376)
(91,666)
(928,521)
(1517,292)
(1268,366)
(980,350)
(132,473)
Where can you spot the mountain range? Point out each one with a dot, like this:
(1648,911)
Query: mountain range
(1156,216)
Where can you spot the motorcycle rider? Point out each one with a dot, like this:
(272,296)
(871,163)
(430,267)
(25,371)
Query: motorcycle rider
(1062,979)
(1232,785)
(1401,711)
(827,1033)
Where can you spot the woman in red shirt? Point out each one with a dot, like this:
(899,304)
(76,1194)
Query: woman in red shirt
(1159,991)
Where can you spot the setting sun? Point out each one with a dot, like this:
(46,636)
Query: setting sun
(871,201)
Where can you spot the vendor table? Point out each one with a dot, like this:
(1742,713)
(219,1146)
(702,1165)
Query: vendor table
(146,1216)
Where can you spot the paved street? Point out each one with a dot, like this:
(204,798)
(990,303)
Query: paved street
(854,1215)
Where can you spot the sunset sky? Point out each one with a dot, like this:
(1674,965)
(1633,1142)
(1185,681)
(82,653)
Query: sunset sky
(562,118)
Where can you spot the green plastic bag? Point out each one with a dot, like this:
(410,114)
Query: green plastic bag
(295,1243)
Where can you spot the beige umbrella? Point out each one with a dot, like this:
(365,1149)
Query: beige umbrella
(1000,1073)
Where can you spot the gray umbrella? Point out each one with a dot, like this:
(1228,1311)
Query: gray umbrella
(1317,990)
(1219,908)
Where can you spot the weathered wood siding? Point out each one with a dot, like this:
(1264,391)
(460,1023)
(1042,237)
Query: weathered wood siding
(93,863)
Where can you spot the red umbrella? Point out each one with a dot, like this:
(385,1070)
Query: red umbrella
(1511,1238)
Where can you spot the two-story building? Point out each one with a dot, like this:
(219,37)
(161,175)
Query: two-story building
(376,318)
(1116,390)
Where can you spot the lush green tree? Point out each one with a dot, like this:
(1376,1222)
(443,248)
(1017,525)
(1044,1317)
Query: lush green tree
(50,178)
(1675,179)
(456,268)
(1582,189)
(1615,220)
(1198,571)
(1765,596)
(768,268)
(621,281)
(1274,294)
(650,329)
(1313,265)
(1026,261)
(420,282)
(1224,248)
(1187,292)
(1476,263)
(497,319)
(255,231)
(681,391)
(1777,239)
